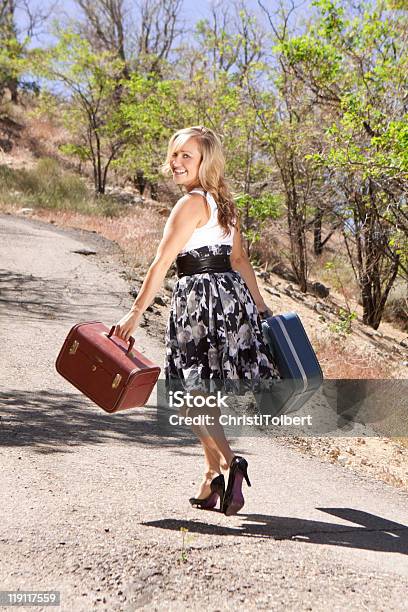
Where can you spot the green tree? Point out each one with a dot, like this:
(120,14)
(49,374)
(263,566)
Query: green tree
(229,57)
(290,130)
(15,38)
(355,68)
(150,111)
(11,50)
(256,213)
(90,82)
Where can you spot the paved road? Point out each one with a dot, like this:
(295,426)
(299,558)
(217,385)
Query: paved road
(93,505)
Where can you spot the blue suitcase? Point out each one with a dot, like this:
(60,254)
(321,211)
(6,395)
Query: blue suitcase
(296,361)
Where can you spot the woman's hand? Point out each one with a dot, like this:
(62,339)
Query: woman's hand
(264,311)
(125,327)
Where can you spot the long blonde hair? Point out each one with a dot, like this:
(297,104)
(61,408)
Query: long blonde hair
(210,173)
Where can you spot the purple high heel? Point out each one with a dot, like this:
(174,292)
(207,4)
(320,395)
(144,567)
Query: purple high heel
(217,491)
(233,498)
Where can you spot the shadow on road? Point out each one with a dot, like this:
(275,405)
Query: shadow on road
(375,533)
(41,299)
(48,420)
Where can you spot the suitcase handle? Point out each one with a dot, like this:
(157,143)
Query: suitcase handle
(131,340)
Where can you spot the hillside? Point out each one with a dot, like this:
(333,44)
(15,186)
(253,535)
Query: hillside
(135,223)
(361,354)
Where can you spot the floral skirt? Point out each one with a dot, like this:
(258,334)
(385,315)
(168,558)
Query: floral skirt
(214,337)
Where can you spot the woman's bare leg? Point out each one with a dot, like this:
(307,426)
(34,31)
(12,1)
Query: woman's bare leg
(214,461)
(211,470)
(213,433)
(217,451)
(217,435)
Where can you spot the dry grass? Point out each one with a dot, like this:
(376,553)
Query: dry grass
(63,198)
(273,245)
(138,232)
(46,185)
(341,359)
(340,277)
(396,308)
(43,136)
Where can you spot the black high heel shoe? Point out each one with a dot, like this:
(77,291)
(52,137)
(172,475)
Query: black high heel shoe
(217,491)
(233,498)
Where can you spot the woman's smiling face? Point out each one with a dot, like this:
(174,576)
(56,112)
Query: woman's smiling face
(185,164)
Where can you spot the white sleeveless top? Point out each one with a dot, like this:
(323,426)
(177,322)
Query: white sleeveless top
(211,233)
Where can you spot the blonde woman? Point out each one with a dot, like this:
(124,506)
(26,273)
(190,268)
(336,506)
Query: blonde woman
(214,334)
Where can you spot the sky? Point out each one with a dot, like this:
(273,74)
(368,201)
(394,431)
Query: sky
(192,11)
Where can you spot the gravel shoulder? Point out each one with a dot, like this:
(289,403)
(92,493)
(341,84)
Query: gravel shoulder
(96,505)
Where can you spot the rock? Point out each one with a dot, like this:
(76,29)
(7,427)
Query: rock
(6,145)
(134,292)
(318,289)
(404,343)
(373,332)
(169,284)
(84,252)
(334,453)
(272,291)
(283,272)
(319,307)
(294,292)
(160,301)
(289,290)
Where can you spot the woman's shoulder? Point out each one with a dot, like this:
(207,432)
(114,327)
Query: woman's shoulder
(194,197)
(191,196)
(193,203)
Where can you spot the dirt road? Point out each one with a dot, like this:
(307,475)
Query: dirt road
(94,505)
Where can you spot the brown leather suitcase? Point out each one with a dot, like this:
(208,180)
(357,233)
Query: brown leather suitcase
(105,368)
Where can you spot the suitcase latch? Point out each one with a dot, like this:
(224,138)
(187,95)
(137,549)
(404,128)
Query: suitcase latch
(73,347)
(116,381)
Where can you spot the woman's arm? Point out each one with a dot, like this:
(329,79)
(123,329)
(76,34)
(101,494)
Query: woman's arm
(183,219)
(241,263)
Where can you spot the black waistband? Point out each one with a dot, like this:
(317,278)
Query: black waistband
(187,264)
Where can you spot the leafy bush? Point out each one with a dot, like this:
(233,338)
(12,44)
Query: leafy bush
(49,186)
(343,324)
